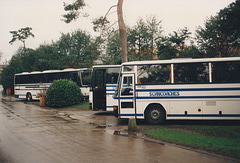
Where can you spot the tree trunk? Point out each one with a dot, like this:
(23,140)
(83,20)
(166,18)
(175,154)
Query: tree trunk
(24,45)
(122,30)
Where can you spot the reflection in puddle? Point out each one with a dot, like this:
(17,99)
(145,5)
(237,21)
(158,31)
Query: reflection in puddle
(121,133)
(125,134)
(104,126)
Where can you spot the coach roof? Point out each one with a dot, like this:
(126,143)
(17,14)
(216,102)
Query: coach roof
(180,60)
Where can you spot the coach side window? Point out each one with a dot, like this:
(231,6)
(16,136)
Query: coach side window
(127,87)
(112,75)
(86,77)
(191,73)
(226,72)
(154,74)
(21,79)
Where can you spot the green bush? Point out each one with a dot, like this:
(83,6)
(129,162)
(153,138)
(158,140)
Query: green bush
(63,92)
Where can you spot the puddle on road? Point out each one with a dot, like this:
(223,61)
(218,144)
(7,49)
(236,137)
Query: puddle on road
(104,126)
(111,131)
(7,99)
(121,133)
(107,126)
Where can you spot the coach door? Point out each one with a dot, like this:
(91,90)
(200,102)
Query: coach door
(99,89)
(127,97)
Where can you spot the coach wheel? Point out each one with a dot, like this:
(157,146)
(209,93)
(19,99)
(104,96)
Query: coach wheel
(155,114)
(29,97)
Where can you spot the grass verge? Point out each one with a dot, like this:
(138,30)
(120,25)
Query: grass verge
(224,140)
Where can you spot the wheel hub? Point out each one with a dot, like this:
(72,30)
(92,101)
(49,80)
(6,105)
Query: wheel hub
(155,114)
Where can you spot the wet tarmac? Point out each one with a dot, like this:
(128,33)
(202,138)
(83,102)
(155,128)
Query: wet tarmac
(30,134)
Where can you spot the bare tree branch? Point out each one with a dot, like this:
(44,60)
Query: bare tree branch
(108,12)
(108,28)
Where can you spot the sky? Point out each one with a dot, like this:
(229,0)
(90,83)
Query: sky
(44,17)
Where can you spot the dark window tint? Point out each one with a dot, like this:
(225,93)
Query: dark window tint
(76,78)
(99,79)
(191,73)
(36,78)
(50,77)
(112,75)
(86,77)
(226,72)
(154,74)
(27,79)
(21,79)
(65,75)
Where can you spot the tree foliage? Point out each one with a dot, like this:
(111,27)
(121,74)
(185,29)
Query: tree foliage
(175,45)
(142,42)
(72,50)
(21,35)
(230,23)
(17,64)
(211,40)
(47,57)
(113,50)
(143,38)
(1,54)
(100,24)
(73,10)
(79,48)
(220,36)
(43,58)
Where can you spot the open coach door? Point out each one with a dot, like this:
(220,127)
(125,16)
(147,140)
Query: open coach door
(99,89)
(127,100)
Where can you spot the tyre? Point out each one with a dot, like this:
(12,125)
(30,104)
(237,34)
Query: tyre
(155,114)
(28,97)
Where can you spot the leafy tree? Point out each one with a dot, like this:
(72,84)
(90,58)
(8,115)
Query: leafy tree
(21,35)
(1,53)
(91,54)
(18,63)
(174,46)
(220,36)
(142,39)
(191,52)
(100,24)
(73,13)
(179,38)
(43,58)
(211,40)
(79,48)
(47,57)
(230,23)
(142,42)
(7,78)
(155,30)
(165,49)
(113,50)
(73,50)
(73,10)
